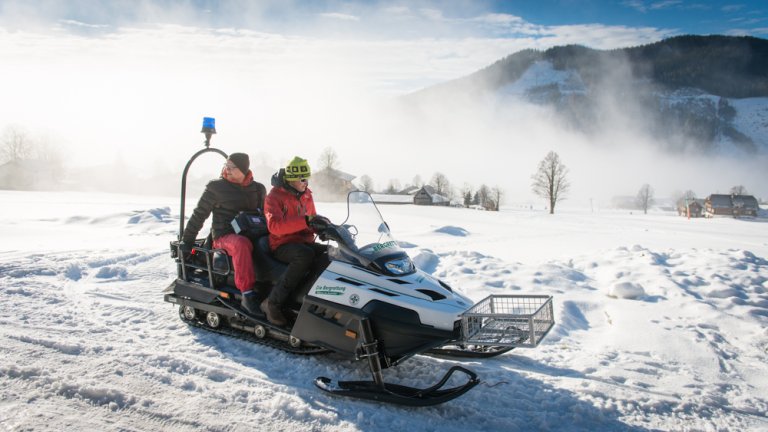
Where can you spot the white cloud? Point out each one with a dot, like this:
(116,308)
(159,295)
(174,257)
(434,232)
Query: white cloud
(664,4)
(340,16)
(732,8)
(637,5)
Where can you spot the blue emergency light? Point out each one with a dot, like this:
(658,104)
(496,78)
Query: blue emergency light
(209,125)
(209,128)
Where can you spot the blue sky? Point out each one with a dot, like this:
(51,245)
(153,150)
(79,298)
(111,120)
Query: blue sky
(504,19)
(683,16)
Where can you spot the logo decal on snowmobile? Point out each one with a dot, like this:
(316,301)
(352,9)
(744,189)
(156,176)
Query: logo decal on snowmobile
(330,290)
(384,245)
(354,299)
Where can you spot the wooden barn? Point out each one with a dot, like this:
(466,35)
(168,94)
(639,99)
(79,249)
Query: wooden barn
(730,205)
(744,205)
(428,196)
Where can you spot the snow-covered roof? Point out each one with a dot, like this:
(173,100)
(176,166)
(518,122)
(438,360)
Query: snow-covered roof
(392,198)
(745,201)
(720,201)
(331,172)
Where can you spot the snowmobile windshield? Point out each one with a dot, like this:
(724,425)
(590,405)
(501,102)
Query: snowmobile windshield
(366,238)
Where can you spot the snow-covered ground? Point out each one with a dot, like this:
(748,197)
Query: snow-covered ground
(661,325)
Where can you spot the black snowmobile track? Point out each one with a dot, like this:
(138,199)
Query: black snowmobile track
(266,341)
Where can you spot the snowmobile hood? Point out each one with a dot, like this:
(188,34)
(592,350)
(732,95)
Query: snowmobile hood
(437,304)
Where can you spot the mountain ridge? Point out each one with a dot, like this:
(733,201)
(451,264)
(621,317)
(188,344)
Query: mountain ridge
(686,87)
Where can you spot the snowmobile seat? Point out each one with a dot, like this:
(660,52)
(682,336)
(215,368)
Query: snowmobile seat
(267,268)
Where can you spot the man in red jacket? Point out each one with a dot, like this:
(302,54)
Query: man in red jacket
(292,222)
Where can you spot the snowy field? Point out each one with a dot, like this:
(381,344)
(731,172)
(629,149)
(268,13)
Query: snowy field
(661,324)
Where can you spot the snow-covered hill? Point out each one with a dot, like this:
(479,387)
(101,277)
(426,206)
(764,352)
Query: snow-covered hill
(687,119)
(660,325)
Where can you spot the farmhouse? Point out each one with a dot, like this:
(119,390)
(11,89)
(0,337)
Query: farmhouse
(690,208)
(730,205)
(428,196)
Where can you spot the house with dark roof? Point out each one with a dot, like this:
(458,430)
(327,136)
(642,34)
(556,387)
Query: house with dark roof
(730,205)
(428,196)
(744,205)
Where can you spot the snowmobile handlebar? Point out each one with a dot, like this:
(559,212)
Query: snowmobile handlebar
(342,235)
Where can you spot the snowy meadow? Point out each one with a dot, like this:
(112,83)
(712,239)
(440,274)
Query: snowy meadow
(661,324)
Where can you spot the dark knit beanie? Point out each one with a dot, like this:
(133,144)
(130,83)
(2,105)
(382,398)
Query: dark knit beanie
(241,161)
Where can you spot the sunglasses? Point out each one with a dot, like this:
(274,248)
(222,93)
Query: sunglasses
(304,180)
(229,167)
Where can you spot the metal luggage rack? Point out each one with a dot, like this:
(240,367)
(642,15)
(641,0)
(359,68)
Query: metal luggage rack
(508,320)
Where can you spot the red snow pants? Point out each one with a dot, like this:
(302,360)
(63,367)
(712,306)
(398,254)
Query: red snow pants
(240,249)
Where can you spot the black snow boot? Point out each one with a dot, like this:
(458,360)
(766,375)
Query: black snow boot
(250,302)
(274,314)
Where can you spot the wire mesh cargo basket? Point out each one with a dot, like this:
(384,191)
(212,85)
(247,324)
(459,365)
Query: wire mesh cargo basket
(508,320)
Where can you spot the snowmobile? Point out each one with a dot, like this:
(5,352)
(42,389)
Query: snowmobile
(364,299)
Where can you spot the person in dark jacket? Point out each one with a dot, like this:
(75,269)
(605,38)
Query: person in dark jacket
(292,222)
(225,197)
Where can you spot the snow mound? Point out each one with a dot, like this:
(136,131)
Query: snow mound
(453,230)
(426,261)
(627,290)
(111,272)
(73,271)
(153,215)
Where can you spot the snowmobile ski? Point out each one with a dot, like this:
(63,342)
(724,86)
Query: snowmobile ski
(399,394)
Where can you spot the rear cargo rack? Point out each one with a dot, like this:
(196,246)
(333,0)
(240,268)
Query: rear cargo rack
(508,320)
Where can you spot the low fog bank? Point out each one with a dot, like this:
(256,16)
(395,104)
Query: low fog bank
(471,142)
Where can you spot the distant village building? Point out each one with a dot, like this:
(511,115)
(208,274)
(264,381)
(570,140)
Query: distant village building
(730,205)
(718,205)
(380,198)
(428,196)
(691,208)
(29,174)
(331,184)
(744,205)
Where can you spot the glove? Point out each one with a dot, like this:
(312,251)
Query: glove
(318,223)
(186,250)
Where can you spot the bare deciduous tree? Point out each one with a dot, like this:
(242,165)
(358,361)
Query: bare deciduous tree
(496,195)
(644,198)
(394,186)
(441,184)
(739,190)
(483,196)
(417,182)
(366,183)
(329,159)
(16,144)
(689,195)
(550,181)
